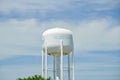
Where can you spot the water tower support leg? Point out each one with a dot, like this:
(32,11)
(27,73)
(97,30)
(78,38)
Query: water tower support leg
(54,67)
(69,67)
(73,65)
(42,63)
(46,66)
(61,60)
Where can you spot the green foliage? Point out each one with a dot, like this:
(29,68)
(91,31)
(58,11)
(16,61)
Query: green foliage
(35,77)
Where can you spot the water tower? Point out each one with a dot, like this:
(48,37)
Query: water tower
(58,42)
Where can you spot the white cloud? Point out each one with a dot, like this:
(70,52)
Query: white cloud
(97,35)
(44,6)
(24,37)
(30,5)
(103,4)
(19,37)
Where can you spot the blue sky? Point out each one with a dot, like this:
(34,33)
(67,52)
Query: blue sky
(96,30)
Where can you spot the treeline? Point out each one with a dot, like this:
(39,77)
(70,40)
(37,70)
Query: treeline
(35,77)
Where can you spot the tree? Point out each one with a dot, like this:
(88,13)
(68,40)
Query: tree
(35,77)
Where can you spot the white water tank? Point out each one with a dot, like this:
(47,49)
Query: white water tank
(52,38)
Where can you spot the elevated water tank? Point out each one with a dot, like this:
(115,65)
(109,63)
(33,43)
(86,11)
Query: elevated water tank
(52,38)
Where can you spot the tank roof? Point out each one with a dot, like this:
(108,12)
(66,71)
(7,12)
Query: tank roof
(57,30)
